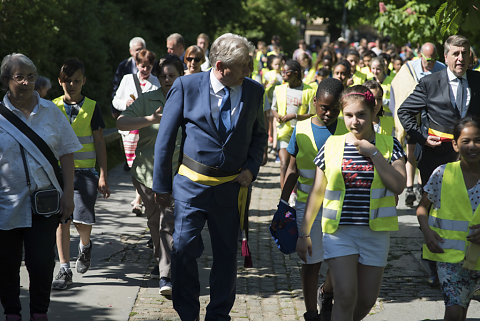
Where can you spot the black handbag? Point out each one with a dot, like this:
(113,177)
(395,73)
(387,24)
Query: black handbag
(44,202)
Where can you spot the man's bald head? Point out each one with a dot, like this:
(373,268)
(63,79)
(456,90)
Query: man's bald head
(429,56)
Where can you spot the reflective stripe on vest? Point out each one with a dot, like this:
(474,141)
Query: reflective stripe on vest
(307,151)
(285,130)
(452,221)
(86,157)
(383,215)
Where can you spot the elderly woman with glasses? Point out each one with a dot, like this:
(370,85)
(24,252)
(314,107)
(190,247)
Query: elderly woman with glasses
(194,58)
(24,170)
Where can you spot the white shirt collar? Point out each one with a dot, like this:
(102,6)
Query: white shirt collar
(9,105)
(452,77)
(218,86)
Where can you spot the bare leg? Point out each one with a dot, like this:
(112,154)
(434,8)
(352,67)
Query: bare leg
(63,242)
(284,160)
(310,284)
(343,271)
(369,281)
(411,164)
(84,231)
(455,313)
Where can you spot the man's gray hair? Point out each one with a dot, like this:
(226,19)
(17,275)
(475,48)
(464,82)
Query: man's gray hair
(457,41)
(136,40)
(230,49)
(178,38)
(9,62)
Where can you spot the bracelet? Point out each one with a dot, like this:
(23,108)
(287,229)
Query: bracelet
(376,152)
(304,236)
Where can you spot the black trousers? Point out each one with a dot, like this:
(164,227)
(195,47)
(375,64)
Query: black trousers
(433,157)
(39,244)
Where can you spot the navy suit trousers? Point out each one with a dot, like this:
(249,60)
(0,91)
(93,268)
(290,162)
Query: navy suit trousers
(223,226)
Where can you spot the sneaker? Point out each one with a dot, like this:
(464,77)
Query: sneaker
(13,317)
(63,279)
(418,190)
(39,317)
(83,261)
(292,199)
(410,197)
(325,302)
(155,274)
(165,287)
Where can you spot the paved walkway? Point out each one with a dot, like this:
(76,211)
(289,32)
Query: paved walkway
(117,286)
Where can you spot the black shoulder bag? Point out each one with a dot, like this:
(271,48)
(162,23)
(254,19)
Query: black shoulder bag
(44,202)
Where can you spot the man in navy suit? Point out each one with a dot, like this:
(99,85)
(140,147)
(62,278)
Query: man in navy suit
(443,98)
(221,115)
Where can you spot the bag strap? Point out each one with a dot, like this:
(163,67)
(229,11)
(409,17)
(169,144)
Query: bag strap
(25,166)
(33,136)
(137,85)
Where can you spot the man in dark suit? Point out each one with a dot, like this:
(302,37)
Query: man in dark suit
(224,135)
(127,66)
(444,98)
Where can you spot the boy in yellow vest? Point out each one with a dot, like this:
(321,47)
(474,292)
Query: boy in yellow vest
(87,122)
(307,138)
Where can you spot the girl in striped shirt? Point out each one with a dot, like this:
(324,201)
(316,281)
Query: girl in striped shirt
(357,177)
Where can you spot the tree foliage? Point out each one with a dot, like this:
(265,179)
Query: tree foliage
(98,31)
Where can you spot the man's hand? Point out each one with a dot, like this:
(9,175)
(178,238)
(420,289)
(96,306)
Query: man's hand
(244,178)
(433,141)
(164,199)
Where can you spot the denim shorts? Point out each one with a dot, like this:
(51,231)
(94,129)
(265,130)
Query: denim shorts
(457,283)
(315,234)
(371,246)
(85,195)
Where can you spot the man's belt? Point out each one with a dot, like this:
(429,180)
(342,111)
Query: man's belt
(211,176)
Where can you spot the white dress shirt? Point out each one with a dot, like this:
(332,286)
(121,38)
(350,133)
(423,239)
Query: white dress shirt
(453,82)
(216,96)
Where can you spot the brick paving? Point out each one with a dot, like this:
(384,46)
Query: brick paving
(271,290)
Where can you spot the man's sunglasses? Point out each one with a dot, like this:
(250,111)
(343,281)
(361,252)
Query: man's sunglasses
(428,59)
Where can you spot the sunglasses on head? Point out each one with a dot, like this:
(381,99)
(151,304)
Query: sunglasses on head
(189,59)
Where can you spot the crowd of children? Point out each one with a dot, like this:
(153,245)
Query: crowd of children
(331,125)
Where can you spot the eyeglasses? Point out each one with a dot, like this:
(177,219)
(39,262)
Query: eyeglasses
(21,78)
(428,59)
(189,59)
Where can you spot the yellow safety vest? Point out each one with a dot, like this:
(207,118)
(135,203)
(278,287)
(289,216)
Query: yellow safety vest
(387,125)
(383,214)
(285,130)
(310,77)
(85,157)
(358,78)
(307,151)
(452,221)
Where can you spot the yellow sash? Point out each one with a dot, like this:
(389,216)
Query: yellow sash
(214,181)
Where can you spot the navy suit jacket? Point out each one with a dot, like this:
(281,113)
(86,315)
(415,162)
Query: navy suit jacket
(432,96)
(188,106)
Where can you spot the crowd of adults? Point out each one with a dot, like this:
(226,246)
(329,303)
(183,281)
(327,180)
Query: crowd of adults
(196,126)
